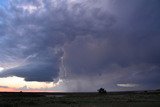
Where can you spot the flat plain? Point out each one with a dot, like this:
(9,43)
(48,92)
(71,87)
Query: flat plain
(110,99)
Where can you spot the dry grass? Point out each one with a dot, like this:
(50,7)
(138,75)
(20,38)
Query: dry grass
(79,100)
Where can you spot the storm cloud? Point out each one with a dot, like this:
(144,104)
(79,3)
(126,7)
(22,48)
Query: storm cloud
(87,43)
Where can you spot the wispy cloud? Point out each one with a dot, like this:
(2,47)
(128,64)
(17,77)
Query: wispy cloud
(128,85)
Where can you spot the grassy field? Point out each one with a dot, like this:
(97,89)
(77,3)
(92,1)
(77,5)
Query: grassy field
(116,99)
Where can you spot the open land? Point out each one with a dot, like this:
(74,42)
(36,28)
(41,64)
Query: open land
(110,99)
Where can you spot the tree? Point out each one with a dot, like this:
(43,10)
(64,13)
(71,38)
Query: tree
(102,91)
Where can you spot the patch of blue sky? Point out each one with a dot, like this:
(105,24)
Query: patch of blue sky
(3,3)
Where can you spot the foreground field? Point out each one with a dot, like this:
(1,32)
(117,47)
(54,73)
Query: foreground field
(125,99)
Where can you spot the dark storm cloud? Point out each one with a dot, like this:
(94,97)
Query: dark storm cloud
(97,42)
(40,29)
(130,48)
(37,69)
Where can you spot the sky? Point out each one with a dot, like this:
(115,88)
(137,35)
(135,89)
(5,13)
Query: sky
(79,45)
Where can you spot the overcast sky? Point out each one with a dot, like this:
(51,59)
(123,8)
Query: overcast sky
(79,45)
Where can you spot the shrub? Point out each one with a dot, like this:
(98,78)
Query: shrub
(102,91)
